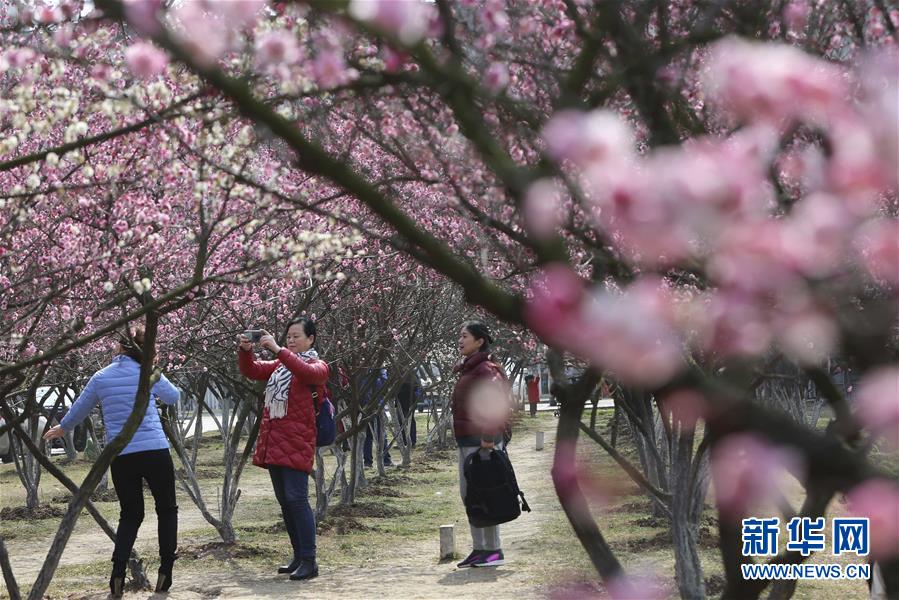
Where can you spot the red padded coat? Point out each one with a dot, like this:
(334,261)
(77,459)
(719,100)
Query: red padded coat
(477,368)
(289,441)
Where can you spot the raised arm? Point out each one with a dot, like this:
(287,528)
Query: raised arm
(82,406)
(259,370)
(165,391)
(309,373)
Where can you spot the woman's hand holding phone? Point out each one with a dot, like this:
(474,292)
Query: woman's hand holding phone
(244,343)
(268,342)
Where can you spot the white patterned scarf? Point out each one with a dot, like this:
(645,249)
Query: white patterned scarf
(278,386)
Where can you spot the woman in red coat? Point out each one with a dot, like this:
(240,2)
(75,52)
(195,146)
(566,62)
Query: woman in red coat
(478,428)
(287,433)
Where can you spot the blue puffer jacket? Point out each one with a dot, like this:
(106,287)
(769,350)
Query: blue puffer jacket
(116,386)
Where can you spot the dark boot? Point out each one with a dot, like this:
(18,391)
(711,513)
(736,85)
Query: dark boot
(117,579)
(307,570)
(289,568)
(164,578)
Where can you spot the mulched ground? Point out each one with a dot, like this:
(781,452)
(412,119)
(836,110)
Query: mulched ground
(368,510)
(23,513)
(714,585)
(341,525)
(107,495)
(205,473)
(651,522)
(708,538)
(221,550)
(640,506)
(382,490)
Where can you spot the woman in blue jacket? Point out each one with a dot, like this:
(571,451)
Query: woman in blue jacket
(146,457)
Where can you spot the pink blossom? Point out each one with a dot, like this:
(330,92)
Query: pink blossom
(878,499)
(277,47)
(407,20)
(746,470)
(582,590)
(686,406)
(63,36)
(877,244)
(494,18)
(47,15)
(817,234)
(752,257)
(393,59)
(676,203)
(435,24)
(68,9)
(857,169)
(806,333)
(330,69)
(636,588)
(632,334)
(795,14)
(572,477)
(146,60)
(201,32)
(101,72)
(542,208)
(771,82)
(877,403)
(239,14)
(595,139)
(804,167)
(879,81)
(19,57)
(641,221)
(552,310)
(496,77)
(120,226)
(143,15)
(491,404)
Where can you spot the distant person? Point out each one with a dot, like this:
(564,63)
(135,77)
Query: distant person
(145,458)
(373,384)
(533,386)
(287,432)
(407,398)
(473,433)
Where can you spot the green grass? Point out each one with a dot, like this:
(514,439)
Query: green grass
(417,499)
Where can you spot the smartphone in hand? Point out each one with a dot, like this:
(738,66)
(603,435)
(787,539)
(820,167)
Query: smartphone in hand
(254,335)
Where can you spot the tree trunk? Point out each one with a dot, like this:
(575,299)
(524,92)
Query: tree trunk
(12,588)
(687,566)
(572,498)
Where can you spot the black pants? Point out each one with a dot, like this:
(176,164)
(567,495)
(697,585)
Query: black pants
(371,432)
(128,474)
(413,433)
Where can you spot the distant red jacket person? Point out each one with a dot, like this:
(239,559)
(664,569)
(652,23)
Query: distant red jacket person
(290,441)
(534,390)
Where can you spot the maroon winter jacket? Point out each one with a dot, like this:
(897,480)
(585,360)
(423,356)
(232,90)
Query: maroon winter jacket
(289,441)
(477,368)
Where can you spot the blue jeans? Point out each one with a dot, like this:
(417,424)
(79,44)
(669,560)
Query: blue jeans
(292,491)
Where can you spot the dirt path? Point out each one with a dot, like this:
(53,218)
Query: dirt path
(412,571)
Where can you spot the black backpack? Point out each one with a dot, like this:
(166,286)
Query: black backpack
(492,494)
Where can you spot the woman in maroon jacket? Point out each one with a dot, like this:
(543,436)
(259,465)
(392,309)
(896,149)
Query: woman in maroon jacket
(478,428)
(287,433)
